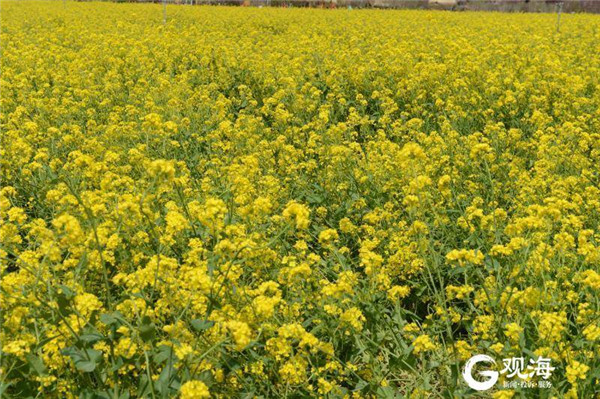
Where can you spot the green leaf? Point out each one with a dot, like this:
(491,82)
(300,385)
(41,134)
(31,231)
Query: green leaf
(163,354)
(91,337)
(36,363)
(360,385)
(386,393)
(111,318)
(201,325)
(94,355)
(116,364)
(147,332)
(144,387)
(108,319)
(163,383)
(64,299)
(67,292)
(85,366)
(84,361)
(72,352)
(3,387)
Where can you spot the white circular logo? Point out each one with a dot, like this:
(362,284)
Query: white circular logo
(472,382)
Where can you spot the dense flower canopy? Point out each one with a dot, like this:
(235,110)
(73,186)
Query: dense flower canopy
(295,203)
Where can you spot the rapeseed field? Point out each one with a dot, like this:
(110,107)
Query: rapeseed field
(297,203)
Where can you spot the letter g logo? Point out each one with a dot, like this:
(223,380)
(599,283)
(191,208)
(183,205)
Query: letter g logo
(468,373)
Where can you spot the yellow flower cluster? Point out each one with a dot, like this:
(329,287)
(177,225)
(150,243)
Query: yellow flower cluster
(194,390)
(423,343)
(295,203)
(576,371)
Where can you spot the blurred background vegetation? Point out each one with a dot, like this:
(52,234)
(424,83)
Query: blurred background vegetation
(569,6)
